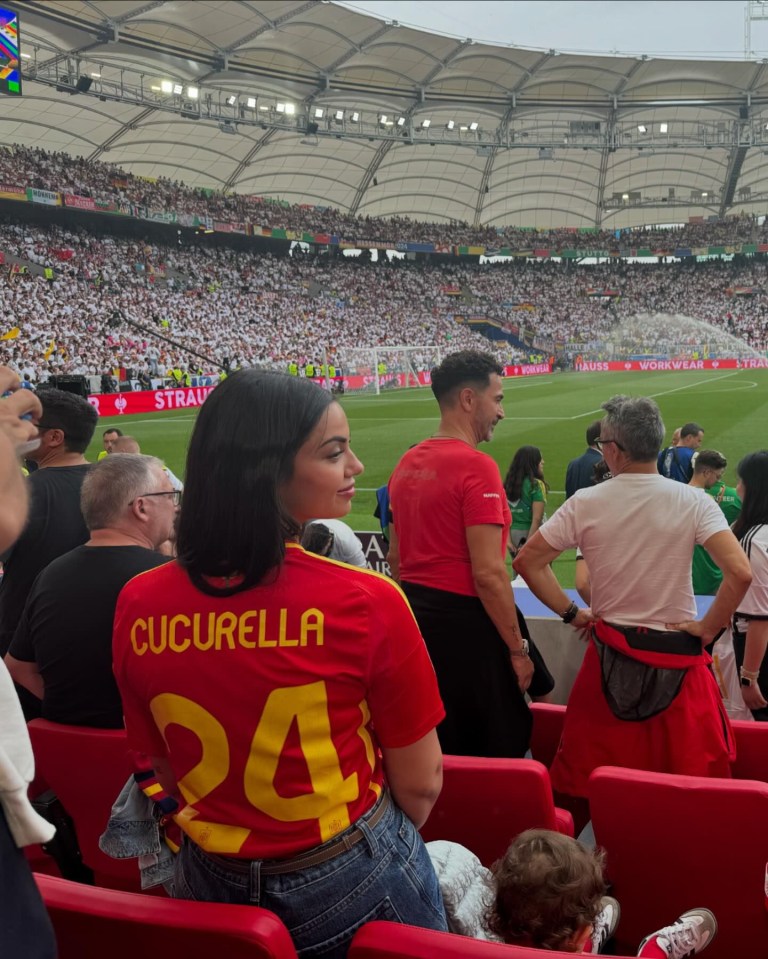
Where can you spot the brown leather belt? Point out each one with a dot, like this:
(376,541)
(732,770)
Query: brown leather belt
(306,860)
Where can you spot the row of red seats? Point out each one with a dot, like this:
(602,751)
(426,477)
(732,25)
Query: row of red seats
(672,842)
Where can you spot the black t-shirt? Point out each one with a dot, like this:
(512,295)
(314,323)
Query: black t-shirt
(54,527)
(66,628)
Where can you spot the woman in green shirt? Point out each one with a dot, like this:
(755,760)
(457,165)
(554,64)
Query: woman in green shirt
(526,491)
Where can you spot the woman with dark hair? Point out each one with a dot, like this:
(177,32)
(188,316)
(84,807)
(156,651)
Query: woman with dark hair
(273,689)
(526,491)
(750,622)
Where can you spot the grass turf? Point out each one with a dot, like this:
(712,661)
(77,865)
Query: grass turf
(551,412)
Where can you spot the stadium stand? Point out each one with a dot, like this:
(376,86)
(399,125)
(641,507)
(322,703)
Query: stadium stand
(91,922)
(485,803)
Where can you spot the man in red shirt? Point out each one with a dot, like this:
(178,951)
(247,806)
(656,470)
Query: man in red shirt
(447,548)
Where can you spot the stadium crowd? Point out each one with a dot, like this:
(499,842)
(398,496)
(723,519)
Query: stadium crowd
(108,183)
(246,308)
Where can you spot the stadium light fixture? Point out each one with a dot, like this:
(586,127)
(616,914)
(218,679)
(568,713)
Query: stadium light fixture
(251,103)
(474,125)
(663,127)
(450,125)
(463,129)
(642,128)
(26,56)
(425,124)
(166,86)
(290,109)
(96,76)
(263,107)
(178,89)
(338,116)
(355,118)
(319,113)
(280,108)
(401,121)
(231,101)
(704,194)
(155,89)
(625,196)
(383,119)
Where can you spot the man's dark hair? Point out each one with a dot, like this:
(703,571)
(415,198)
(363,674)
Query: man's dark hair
(709,460)
(112,429)
(71,414)
(465,368)
(753,473)
(690,429)
(593,432)
(241,455)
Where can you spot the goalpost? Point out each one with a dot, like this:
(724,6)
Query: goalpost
(378,369)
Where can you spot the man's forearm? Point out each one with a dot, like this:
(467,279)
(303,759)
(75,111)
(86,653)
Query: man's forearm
(543,583)
(732,591)
(495,593)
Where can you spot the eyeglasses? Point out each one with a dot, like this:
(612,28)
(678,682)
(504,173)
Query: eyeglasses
(601,443)
(174,493)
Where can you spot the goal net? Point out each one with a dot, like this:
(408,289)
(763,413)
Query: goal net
(379,369)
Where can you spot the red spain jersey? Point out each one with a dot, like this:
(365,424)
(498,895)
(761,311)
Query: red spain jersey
(438,489)
(271,704)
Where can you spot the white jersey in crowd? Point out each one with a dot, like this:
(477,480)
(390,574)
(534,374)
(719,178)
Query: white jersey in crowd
(755,544)
(347,548)
(637,532)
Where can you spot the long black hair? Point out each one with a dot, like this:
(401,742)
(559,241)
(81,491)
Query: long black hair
(525,463)
(753,473)
(241,452)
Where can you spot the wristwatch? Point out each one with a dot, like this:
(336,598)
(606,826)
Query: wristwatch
(748,677)
(523,651)
(746,681)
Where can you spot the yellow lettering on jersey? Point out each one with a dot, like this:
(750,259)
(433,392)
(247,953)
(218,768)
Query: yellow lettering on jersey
(284,641)
(331,791)
(139,648)
(174,644)
(263,641)
(370,753)
(168,709)
(244,630)
(157,634)
(225,629)
(312,621)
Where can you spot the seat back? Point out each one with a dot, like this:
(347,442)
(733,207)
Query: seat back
(389,940)
(87,768)
(548,722)
(91,923)
(485,803)
(677,842)
(751,751)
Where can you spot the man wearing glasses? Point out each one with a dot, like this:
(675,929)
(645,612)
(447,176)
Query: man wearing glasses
(644,696)
(62,649)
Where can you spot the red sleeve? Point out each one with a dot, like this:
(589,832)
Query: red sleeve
(403,696)
(484,499)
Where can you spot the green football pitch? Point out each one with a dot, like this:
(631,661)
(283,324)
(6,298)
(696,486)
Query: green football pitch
(551,412)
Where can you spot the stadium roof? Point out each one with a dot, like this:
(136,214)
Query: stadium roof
(515,136)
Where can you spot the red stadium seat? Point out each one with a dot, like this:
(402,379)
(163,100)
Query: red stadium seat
(548,722)
(677,842)
(87,768)
(485,803)
(92,923)
(751,751)
(388,940)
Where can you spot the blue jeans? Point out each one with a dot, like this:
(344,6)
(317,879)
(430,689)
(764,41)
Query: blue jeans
(388,875)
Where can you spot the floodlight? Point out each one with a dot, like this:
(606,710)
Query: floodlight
(280,108)
(251,103)
(625,196)
(474,125)
(641,128)
(290,109)
(96,76)
(663,127)
(338,116)
(450,125)
(178,89)
(319,113)
(400,121)
(383,118)
(425,124)
(166,86)
(704,194)
(193,93)
(355,118)
(231,101)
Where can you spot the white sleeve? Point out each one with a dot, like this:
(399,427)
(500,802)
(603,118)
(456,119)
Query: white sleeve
(560,530)
(347,548)
(756,600)
(709,519)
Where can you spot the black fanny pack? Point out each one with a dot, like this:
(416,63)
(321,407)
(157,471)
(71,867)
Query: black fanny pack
(633,690)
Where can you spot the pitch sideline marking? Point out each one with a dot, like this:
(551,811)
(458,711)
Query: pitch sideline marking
(653,396)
